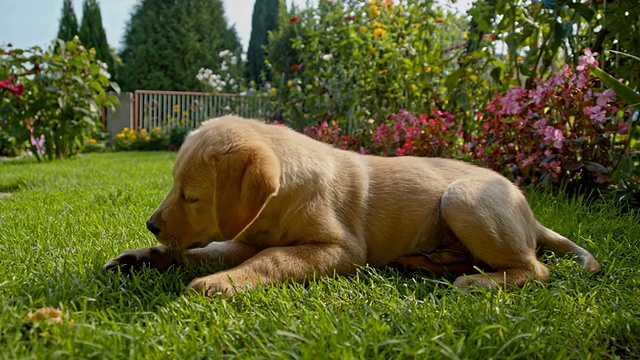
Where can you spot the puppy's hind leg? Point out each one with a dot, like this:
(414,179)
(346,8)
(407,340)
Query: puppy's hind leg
(492,219)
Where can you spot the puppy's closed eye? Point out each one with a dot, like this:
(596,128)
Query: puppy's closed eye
(189,199)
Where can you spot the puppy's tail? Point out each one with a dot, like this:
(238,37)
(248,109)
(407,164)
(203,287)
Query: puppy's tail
(560,245)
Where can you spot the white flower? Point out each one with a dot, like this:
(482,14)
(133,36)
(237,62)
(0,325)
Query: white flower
(104,69)
(224,53)
(327,57)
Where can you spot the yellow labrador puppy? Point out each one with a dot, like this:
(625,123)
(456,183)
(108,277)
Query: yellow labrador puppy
(274,204)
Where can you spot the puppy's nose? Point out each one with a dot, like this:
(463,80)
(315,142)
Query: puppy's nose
(152,227)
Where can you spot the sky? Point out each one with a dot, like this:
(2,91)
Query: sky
(25,23)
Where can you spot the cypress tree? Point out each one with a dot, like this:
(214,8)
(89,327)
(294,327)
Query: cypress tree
(92,33)
(168,41)
(264,19)
(68,27)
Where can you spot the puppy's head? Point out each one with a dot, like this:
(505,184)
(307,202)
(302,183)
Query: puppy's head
(223,178)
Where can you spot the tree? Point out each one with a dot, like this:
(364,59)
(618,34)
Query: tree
(168,41)
(68,22)
(92,33)
(265,19)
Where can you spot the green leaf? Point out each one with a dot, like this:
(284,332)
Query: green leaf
(96,86)
(583,10)
(54,89)
(595,167)
(622,90)
(115,87)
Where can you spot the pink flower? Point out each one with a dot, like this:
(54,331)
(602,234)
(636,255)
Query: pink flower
(540,125)
(510,104)
(589,58)
(623,128)
(605,97)
(560,76)
(602,178)
(596,113)
(538,94)
(526,162)
(581,80)
(555,166)
(37,143)
(553,135)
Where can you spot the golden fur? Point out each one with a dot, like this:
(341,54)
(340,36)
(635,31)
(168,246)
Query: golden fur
(277,205)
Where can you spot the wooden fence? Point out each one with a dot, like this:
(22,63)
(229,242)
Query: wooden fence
(153,108)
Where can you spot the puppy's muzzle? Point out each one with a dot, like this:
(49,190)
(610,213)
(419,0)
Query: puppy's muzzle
(151,226)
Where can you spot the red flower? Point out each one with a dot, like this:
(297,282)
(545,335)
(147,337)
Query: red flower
(295,19)
(489,37)
(295,67)
(17,89)
(10,53)
(5,83)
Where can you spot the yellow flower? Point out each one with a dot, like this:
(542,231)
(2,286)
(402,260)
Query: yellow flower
(290,83)
(143,132)
(120,136)
(273,90)
(185,113)
(414,87)
(373,10)
(127,129)
(147,138)
(168,116)
(176,108)
(363,29)
(415,26)
(371,50)
(376,24)
(384,71)
(92,51)
(93,141)
(378,33)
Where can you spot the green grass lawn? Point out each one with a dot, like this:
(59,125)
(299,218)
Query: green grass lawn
(64,219)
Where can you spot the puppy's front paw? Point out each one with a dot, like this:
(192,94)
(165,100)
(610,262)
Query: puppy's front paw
(155,257)
(220,284)
(477,281)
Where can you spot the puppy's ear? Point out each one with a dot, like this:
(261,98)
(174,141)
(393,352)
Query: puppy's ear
(246,180)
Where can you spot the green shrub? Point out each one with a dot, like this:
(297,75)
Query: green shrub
(351,61)
(51,99)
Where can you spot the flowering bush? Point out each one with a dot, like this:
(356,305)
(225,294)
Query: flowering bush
(229,80)
(50,100)
(562,130)
(170,138)
(332,133)
(434,135)
(351,61)
(403,134)
(130,140)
